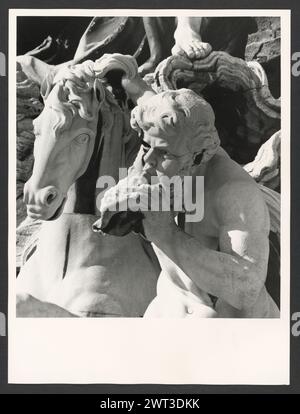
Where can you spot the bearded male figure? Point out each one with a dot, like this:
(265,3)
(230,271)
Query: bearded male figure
(216,267)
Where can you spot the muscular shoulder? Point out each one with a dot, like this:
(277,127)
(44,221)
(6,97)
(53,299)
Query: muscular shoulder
(241,202)
(237,199)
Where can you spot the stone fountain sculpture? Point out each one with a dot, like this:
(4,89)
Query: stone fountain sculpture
(258,120)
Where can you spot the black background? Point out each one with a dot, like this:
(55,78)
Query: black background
(6,388)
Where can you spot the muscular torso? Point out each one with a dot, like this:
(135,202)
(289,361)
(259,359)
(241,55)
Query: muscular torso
(220,170)
(90,274)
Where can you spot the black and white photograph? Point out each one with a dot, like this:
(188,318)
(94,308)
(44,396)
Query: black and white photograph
(148,182)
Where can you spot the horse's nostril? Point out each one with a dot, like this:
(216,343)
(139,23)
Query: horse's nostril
(50,198)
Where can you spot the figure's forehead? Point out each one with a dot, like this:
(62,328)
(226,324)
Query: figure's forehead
(183,100)
(163,100)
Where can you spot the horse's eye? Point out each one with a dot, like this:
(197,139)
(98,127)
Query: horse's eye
(82,139)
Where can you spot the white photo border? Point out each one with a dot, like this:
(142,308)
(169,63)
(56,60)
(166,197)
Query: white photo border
(145,351)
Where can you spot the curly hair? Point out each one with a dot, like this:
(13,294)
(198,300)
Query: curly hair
(179,112)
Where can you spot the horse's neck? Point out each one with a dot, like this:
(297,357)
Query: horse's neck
(81,198)
(109,154)
(81,195)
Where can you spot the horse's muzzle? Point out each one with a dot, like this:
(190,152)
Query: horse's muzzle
(45,204)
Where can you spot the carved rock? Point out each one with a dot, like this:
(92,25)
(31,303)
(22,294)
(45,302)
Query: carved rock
(28,108)
(226,81)
(264,50)
(264,45)
(24,169)
(28,89)
(24,147)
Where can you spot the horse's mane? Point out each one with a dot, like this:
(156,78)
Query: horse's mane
(182,113)
(76,83)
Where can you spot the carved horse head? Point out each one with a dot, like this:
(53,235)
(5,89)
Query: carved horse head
(66,133)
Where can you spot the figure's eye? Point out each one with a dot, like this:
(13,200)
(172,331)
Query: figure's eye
(166,155)
(82,139)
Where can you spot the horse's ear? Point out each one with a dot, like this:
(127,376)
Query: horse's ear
(47,85)
(98,88)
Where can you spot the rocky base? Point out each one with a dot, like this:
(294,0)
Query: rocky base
(264,47)
(28,108)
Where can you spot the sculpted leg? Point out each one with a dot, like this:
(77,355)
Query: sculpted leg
(154,46)
(159,32)
(188,40)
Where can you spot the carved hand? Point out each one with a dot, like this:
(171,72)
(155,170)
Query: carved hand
(157,224)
